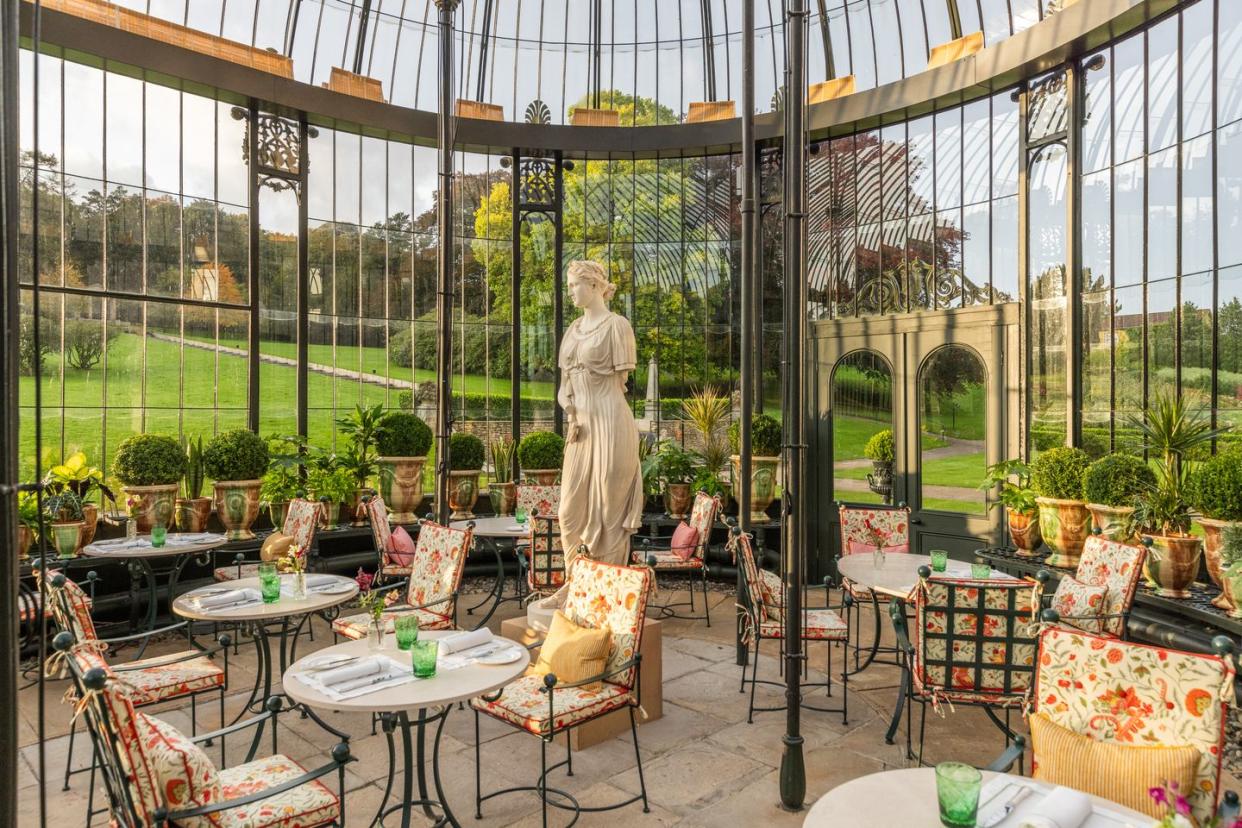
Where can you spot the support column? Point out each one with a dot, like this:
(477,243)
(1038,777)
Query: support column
(793,529)
(746,379)
(515,307)
(444,260)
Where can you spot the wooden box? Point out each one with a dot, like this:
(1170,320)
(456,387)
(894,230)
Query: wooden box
(480,111)
(360,86)
(701,111)
(946,53)
(830,89)
(618,721)
(595,117)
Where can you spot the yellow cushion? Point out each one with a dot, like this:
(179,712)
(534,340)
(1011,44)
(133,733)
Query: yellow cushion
(1118,772)
(573,653)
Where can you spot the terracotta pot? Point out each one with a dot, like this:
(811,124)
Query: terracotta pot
(677,499)
(1231,588)
(90,517)
(542,477)
(504,497)
(329,514)
(157,505)
(762,485)
(67,538)
(357,515)
(193,514)
(1024,531)
(25,537)
(1064,525)
(402,486)
(463,493)
(1112,521)
(1172,563)
(1211,552)
(237,505)
(276,513)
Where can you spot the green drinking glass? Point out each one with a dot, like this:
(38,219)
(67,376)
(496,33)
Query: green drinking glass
(159,535)
(519,515)
(957,789)
(423,655)
(940,560)
(269,582)
(406,627)
(980,571)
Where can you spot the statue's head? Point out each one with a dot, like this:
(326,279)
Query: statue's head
(589,284)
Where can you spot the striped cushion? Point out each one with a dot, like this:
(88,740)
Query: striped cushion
(1118,772)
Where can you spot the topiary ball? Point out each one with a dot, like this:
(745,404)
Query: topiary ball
(1116,479)
(541,450)
(465,452)
(149,460)
(879,448)
(402,434)
(239,454)
(765,436)
(1215,488)
(1057,473)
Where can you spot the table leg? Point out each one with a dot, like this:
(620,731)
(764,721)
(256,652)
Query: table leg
(153,599)
(497,591)
(263,672)
(414,765)
(388,725)
(435,768)
(903,691)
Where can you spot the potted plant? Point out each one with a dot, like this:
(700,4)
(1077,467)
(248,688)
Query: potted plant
(360,428)
(879,450)
(465,465)
(541,454)
(1056,476)
(282,481)
(677,473)
(1111,485)
(765,459)
(333,483)
(1170,432)
(707,410)
(83,479)
(1215,491)
(193,510)
(237,460)
(1018,498)
(1231,567)
(402,441)
(28,523)
(150,468)
(502,487)
(64,511)
(649,464)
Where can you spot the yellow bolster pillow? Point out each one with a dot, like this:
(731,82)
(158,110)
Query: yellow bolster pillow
(573,653)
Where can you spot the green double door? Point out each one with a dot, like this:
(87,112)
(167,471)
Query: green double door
(947,386)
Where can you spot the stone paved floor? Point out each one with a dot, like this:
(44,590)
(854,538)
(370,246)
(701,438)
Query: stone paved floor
(704,765)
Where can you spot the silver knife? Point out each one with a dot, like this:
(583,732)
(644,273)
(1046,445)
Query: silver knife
(997,816)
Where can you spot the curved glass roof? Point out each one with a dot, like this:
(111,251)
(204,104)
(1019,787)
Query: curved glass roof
(512,52)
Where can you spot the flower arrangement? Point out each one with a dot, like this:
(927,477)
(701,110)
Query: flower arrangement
(370,602)
(1178,810)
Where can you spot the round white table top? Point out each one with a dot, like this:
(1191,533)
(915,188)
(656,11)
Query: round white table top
(906,798)
(446,687)
(176,543)
(493,527)
(900,574)
(187,607)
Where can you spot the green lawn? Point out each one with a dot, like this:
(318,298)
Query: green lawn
(850,435)
(959,415)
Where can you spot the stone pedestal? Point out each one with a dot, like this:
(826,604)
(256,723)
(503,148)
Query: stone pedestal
(618,721)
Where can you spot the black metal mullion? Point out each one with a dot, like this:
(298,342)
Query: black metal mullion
(515,303)
(252,170)
(303,277)
(484,47)
(1215,229)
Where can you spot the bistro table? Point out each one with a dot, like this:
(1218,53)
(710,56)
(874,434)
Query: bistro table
(395,704)
(495,532)
(906,798)
(323,592)
(138,553)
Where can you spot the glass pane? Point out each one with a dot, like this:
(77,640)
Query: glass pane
(952,409)
(862,407)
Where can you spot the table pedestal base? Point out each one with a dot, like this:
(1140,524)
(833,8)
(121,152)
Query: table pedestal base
(412,767)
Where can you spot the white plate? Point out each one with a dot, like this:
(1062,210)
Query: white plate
(506,656)
(337,589)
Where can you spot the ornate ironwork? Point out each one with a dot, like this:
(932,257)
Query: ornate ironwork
(537,112)
(538,183)
(278,149)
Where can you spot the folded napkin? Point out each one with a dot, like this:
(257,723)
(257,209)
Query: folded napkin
(459,642)
(232,596)
(1063,808)
(321,579)
(367,675)
(177,539)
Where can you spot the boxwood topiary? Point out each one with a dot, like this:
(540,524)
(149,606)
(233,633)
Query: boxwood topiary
(465,452)
(880,447)
(541,450)
(1116,479)
(1215,488)
(765,436)
(149,460)
(402,434)
(239,454)
(1057,473)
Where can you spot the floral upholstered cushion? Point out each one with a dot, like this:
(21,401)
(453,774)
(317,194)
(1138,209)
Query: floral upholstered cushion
(685,543)
(381,530)
(538,500)
(740,544)
(185,776)
(605,596)
(667,560)
(236,572)
(817,625)
(307,805)
(773,594)
(301,520)
(439,561)
(78,604)
(1118,691)
(131,735)
(356,626)
(1118,566)
(702,516)
(1079,604)
(890,527)
(154,679)
(525,704)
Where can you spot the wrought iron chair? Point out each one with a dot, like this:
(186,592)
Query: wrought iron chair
(600,596)
(976,642)
(1121,692)
(662,558)
(156,776)
(1117,567)
(381,533)
(534,501)
(763,617)
(861,526)
(544,560)
(301,520)
(430,591)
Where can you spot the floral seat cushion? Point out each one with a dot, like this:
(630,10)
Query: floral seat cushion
(154,681)
(861,529)
(525,704)
(817,625)
(236,572)
(669,560)
(186,777)
(305,806)
(356,626)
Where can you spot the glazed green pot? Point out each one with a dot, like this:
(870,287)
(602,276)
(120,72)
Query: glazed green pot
(463,493)
(67,538)
(402,486)
(762,484)
(1064,525)
(1112,521)
(158,504)
(237,506)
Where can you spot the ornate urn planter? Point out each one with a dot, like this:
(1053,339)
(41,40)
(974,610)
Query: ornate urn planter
(90,519)
(1112,521)
(157,504)
(1024,531)
(276,513)
(402,486)
(1172,563)
(1064,525)
(762,485)
(1228,598)
(193,514)
(25,537)
(463,493)
(677,499)
(237,504)
(67,538)
(504,498)
(542,477)
(357,514)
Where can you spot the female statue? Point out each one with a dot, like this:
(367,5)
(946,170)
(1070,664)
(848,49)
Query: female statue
(601,482)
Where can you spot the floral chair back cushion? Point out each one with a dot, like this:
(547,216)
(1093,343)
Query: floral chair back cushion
(439,561)
(976,637)
(1118,566)
(702,517)
(381,531)
(862,528)
(539,500)
(606,596)
(547,557)
(126,748)
(755,589)
(301,520)
(1118,691)
(71,609)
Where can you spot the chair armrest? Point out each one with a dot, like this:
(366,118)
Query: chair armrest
(897,611)
(237,726)
(1003,763)
(149,633)
(395,608)
(555,685)
(168,662)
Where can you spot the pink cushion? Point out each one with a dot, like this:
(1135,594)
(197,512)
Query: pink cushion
(685,541)
(401,548)
(858,547)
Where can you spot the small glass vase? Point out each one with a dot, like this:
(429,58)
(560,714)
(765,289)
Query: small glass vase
(878,557)
(298,589)
(131,528)
(375,634)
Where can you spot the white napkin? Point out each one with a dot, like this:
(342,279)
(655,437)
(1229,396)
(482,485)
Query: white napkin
(461,641)
(178,539)
(232,596)
(1063,808)
(320,579)
(343,679)
(367,675)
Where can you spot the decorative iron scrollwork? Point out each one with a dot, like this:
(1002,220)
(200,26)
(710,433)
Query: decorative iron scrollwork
(538,182)
(278,149)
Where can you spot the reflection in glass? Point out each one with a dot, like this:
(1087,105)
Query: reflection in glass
(952,409)
(862,406)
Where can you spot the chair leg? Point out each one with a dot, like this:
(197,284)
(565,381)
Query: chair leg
(543,779)
(642,784)
(73,731)
(193,714)
(922,732)
(707,610)
(754,680)
(828,679)
(478,782)
(569,753)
